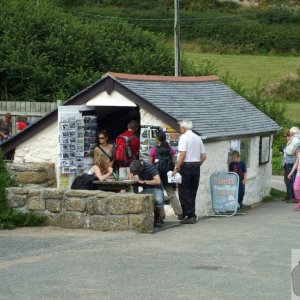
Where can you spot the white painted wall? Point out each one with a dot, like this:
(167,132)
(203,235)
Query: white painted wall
(42,147)
(113,99)
(148,119)
(259,176)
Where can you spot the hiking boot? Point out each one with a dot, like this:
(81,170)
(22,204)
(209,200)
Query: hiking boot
(157,224)
(157,217)
(180,217)
(187,220)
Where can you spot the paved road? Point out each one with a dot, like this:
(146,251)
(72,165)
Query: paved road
(277,182)
(243,257)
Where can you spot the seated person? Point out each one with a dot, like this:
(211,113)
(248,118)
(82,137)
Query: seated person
(163,156)
(104,147)
(149,180)
(5,127)
(102,168)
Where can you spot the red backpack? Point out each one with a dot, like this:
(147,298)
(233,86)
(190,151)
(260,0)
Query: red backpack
(123,153)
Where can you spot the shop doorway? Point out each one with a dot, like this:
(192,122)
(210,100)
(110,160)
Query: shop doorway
(115,119)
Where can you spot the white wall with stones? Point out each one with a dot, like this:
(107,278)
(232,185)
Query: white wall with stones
(43,148)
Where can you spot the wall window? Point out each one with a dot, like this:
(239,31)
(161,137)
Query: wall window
(242,145)
(264,149)
(245,150)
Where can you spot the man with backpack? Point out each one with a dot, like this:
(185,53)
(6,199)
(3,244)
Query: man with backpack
(163,157)
(127,148)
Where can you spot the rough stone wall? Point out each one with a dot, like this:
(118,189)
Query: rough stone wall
(86,209)
(33,174)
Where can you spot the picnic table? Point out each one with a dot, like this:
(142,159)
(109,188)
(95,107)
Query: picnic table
(113,185)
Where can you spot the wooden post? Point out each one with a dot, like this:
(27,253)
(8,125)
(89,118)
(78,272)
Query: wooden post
(177,38)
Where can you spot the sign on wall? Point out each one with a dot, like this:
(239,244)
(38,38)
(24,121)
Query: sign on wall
(224,192)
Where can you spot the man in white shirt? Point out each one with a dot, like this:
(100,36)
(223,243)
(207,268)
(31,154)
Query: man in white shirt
(191,157)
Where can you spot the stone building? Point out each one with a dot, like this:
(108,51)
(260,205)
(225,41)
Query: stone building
(224,119)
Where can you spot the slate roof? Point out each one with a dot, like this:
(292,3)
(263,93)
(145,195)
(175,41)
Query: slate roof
(215,109)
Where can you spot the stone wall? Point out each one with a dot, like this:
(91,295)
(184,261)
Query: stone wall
(33,174)
(86,209)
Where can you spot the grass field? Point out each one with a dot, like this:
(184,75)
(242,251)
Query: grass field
(249,69)
(293,112)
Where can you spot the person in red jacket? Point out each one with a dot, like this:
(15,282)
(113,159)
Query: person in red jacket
(134,145)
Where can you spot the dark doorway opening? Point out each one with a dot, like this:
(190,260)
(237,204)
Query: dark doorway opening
(115,119)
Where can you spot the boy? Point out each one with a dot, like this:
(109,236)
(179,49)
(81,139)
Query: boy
(237,166)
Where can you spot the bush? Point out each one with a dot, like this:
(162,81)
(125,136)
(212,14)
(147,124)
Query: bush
(236,30)
(287,89)
(47,54)
(10,218)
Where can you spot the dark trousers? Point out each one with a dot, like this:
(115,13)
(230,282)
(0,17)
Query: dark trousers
(241,193)
(187,190)
(289,183)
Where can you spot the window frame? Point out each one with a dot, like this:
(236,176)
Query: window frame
(238,143)
(262,149)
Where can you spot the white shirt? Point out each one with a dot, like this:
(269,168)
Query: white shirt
(192,144)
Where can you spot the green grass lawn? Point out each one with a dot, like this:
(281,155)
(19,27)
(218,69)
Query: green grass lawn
(249,69)
(293,112)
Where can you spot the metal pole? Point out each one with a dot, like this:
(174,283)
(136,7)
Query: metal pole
(177,38)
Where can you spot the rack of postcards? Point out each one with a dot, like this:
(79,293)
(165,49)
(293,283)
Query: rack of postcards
(90,135)
(71,142)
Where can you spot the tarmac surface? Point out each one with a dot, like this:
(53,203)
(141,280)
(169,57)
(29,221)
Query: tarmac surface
(277,182)
(242,257)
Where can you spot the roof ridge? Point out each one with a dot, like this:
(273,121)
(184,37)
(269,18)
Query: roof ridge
(142,77)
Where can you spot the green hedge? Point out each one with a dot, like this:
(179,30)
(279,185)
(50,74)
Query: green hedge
(10,218)
(47,54)
(271,30)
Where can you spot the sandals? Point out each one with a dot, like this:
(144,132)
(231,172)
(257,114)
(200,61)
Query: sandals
(297,207)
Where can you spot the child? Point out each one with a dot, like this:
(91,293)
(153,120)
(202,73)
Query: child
(237,166)
(20,124)
(297,178)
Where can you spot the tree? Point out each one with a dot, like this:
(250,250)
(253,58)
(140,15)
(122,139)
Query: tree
(47,54)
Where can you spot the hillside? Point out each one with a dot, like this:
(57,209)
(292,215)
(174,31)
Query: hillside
(222,27)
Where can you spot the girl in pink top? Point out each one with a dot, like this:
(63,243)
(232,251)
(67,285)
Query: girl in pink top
(297,178)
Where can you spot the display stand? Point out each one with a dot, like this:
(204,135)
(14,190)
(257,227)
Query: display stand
(77,136)
(224,193)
